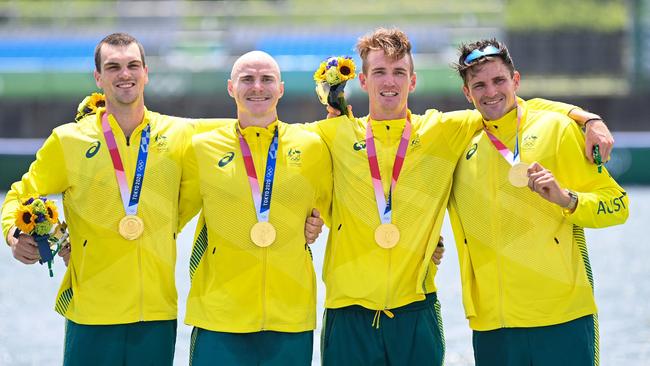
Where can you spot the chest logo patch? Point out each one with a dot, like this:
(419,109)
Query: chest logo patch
(161,143)
(226,159)
(416,143)
(93,149)
(359,145)
(294,156)
(471,151)
(528,142)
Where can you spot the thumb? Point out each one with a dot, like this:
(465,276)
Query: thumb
(315,213)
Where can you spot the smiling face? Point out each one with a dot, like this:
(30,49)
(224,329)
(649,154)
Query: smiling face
(491,87)
(122,76)
(388,83)
(256,87)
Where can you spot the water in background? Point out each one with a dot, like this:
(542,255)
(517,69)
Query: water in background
(31,333)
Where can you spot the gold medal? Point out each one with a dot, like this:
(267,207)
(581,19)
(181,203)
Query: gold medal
(518,175)
(263,234)
(131,227)
(387,235)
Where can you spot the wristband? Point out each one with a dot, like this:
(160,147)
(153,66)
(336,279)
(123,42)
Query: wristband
(16,233)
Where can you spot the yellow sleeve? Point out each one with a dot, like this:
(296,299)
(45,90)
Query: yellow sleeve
(327,128)
(550,105)
(601,201)
(460,126)
(46,175)
(326,186)
(190,200)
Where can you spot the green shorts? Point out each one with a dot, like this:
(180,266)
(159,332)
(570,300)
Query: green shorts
(265,348)
(354,335)
(142,343)
(574,343)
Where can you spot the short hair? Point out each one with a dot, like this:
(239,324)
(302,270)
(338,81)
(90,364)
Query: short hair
(116,39)
(465,49)
(393,42)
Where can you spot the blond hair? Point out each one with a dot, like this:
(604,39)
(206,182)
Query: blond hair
(393,42)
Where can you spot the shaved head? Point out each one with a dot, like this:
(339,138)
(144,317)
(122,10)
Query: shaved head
(256,87)
(255,58)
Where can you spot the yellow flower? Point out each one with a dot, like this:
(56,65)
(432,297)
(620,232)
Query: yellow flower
(52,213)
(25,219)
(346,68)
(96,100)
(89,105)
(319,75)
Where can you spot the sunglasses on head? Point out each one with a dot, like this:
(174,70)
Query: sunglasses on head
(476,54)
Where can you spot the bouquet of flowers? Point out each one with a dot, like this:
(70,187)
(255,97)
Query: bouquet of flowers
(89,105)
(39,218)
(331,77)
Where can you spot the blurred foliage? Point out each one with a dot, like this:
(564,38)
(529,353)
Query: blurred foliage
(518,15)
(566,15)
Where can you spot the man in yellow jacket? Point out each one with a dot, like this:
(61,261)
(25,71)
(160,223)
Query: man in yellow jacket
(252,299)
(522,194)
(119,171)
(393,173)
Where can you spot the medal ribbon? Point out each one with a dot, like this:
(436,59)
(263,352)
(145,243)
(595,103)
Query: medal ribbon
(262,201)
(130,203)
(384,206)
(511,157)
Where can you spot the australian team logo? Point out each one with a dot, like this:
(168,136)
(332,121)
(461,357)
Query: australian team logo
(161,143)
(294,157)
(93,149)
(528,142)
(416,143)
(227,158)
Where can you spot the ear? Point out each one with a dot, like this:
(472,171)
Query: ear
(412,82)
(281,89)
(98,78)
(516,77)
(146,74)
(230,89)
(362,81)
(467,95)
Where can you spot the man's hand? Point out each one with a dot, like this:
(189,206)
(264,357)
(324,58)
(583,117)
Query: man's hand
(543,182)
(65,252)
(438,253)
(333,112)
(24,248)
(597,133)
(313,226)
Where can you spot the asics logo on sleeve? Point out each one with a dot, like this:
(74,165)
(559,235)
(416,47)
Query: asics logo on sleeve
(359,145)
(471,151)
(92,150)
(226,159)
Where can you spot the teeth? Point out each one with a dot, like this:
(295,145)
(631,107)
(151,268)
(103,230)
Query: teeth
(493,102)
(257,99)
(388,94)
(125,85)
